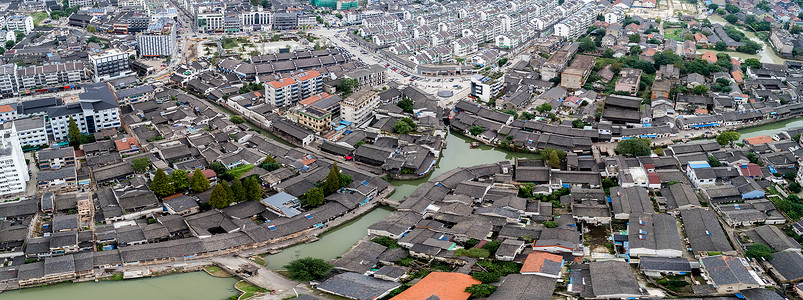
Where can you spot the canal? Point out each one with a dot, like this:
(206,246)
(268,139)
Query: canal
(766,55)
(186,286)
(771,129)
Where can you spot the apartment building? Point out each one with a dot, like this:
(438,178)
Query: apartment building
(8,79)
(314,118)
(32,131)
(158,40)
(7,113)
(209,22)
(358,107)
(288,91)
(374,75)
(485,87)
(12,162)
(96,110)
(629,80)
(7,35)
(576,74)
(51,74)
(110,64)
(20,23)
(256,20)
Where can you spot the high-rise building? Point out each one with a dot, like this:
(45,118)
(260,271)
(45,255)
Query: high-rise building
(359,107)
(158,40)
(20,23)
(288,91)
(96,110)
(12,162)
(109,64)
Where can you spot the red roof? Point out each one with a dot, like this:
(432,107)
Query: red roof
(444,286)
(209,173)
(737,76)
(5,109)
(282,83)
(535,260)
(750,169)
(307,75)
(649,166)
(314,98)
(126,144)
(653,177)
(710,57)
(758,140)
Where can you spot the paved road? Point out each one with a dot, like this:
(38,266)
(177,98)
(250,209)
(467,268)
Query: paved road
(265,278)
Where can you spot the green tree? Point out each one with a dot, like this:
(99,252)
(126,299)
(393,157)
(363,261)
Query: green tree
(218,168)
(635,50)
(795,187)
(486,277)
(752,62)
(161,185)
(406,105)
(481,290)
(492,246)
(313,198)
(713,161)
(554,161)
(91,29)
(237,119)
(700,89)
(308,269)
(634,147)
(476,130)
(199,182)
(608,53)
(10,44)
(238,190)
(728,137)
(73,132)
(180,180)
(501,62)
(721,46)
(253,190)
(140,164)
(587,44)
(229,192)
(731,19)
(332,183)
(759,251)
(731,8)
(402,127)
(634,38)
(550,224)
(347,86)
(219,197)
(544,108)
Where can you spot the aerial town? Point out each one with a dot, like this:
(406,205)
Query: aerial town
(407,150)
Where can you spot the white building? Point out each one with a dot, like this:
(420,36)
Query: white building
(20,23)
(7,35)
(32,131)
(256,20)
(358,107)
(96,110)
(484,87)
(12,162)
(158,40)
(109,64)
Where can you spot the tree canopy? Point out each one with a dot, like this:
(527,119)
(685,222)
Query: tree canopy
(180,180)
(634,147)
(253,190)
(313,198)
(199,182)
(238,190)
(332,183)
(220,196)
(759,251)
(308,268)
(404,126)
(728,137)
(161,184)
(140,164)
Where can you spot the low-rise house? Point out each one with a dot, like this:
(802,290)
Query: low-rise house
(440,285)
(730,274)
(542,264)
(654,235)
(55,158)
(660,266)
(357,286)
(704,232)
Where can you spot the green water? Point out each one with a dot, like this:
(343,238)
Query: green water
(458,153)
(332,243)
(186,286)
(771,129)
